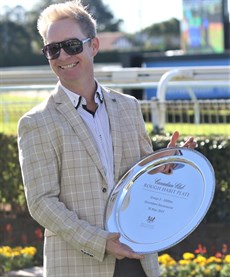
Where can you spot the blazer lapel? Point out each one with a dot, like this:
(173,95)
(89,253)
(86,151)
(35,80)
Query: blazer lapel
(66,108)
(113,112)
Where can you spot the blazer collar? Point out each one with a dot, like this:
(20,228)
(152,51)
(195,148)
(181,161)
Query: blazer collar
(76,99)
(66,108)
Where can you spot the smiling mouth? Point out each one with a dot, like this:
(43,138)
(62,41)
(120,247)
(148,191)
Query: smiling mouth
(68,66)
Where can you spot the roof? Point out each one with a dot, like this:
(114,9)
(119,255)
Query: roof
(112,41)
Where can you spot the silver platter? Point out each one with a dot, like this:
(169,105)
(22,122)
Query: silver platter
(154,208)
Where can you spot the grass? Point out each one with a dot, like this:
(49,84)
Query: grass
(14,105)
(195,129)
(10,128)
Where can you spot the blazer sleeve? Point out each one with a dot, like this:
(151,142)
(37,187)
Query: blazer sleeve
(40,171)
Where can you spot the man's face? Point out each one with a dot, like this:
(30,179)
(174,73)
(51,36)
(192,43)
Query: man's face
(72,70)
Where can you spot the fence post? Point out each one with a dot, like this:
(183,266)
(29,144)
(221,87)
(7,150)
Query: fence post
(160,108)
(157,115)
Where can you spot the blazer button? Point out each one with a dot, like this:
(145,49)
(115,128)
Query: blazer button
(104,190)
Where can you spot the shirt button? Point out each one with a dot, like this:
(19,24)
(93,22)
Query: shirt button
(104,190)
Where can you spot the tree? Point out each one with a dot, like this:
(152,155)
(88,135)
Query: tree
(170,27)
(16,43)
(162,36)
(103,15)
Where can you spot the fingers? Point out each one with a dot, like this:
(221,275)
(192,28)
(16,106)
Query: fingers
(127,252)
(174,139)
(118,249)
(131,254)
(190,143)
(114,236)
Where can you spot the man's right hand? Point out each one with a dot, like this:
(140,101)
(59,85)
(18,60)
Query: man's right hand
(120,250)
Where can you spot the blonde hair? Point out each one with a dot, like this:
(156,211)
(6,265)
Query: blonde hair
(72,10)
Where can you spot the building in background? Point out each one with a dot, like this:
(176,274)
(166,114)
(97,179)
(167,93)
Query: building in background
(110,41)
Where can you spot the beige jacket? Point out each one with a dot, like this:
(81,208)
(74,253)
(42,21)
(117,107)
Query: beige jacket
(64,181)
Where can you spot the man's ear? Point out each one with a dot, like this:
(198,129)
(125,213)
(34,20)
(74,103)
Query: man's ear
(95,45)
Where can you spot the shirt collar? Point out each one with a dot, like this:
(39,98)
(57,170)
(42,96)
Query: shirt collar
(76,99)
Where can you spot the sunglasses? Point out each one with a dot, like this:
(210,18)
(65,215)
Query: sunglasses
(71,47)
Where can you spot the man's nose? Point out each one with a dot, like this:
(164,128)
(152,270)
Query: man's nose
(63,54)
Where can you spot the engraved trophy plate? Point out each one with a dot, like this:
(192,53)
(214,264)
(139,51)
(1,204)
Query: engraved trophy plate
(154,210)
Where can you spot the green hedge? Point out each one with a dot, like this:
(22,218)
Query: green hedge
(216,149)
(11,186)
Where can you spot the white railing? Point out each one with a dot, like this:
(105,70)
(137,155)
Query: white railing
(131,78)
(114,76)
(190,78)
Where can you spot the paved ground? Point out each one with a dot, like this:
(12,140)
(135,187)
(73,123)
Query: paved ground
(30,272)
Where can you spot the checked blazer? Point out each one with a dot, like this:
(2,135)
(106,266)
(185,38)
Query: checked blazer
(65,185)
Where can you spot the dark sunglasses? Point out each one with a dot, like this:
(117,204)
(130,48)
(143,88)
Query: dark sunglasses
(71,47)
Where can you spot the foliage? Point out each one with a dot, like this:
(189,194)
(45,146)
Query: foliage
(11,189)
(103,15)
(23,232)
(15,43)
(171,26)
(16,258)
(218,152)
(198,264)
(216,149)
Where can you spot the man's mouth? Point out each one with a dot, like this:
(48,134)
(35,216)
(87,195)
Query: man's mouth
(68,66)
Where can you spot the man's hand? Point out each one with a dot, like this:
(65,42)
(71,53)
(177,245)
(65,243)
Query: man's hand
(118,249)
(189,143)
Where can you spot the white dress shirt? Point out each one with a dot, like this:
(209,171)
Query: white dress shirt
(98,125)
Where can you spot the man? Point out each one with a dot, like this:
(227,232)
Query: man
(73,149)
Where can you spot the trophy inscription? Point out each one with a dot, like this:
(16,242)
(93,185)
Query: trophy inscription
(154,210)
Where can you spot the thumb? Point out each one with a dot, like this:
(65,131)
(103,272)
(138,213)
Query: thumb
(174,139)
(114,236)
